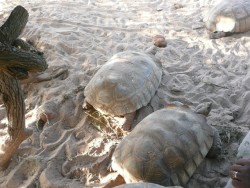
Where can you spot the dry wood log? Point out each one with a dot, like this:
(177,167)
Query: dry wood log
(16,59)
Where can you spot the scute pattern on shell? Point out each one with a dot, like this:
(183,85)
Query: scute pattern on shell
(229,16)
(125,83)
(164,148)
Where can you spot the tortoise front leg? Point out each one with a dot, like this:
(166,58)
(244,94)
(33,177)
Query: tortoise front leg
(219,34)
(129,118)
(215,149)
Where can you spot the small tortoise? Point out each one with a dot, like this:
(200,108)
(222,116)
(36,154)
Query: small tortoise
(144,185)
(166,147)
(124,84)
(227,17)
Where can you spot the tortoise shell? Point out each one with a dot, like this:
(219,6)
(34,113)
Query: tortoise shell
(164,148)
(229,16)
(125,83)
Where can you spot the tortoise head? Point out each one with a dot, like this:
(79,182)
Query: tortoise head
(152,50)
(204,108)
(210,25)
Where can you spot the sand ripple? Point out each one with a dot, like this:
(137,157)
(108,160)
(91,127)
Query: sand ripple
(80,36)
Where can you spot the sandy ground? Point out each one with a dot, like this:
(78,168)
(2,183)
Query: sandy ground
(77,38)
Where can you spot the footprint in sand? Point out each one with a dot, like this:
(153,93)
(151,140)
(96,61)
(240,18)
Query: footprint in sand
(24,174)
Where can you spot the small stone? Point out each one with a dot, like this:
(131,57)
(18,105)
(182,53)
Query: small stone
(178,6)
(159,8)
(197,26)
(159,41)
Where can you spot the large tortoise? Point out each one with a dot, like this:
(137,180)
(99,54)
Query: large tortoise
(166,147)
(124,84)
(227,17)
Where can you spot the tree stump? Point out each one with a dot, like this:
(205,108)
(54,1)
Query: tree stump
(17,58)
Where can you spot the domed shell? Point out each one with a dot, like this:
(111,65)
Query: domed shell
(229,16)
(164,148)
(125,83)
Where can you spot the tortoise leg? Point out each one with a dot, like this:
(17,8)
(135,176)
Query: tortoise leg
(216,147)
(219,34)
(86,105)
(129,118)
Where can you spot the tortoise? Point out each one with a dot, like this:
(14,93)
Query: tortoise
(167,146)
(227,17)
(144,185)
(124,84)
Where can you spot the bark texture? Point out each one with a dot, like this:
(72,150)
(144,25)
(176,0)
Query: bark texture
(16,59)
(15,107)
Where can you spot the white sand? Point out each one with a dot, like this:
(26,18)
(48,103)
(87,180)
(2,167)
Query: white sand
(77,37)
